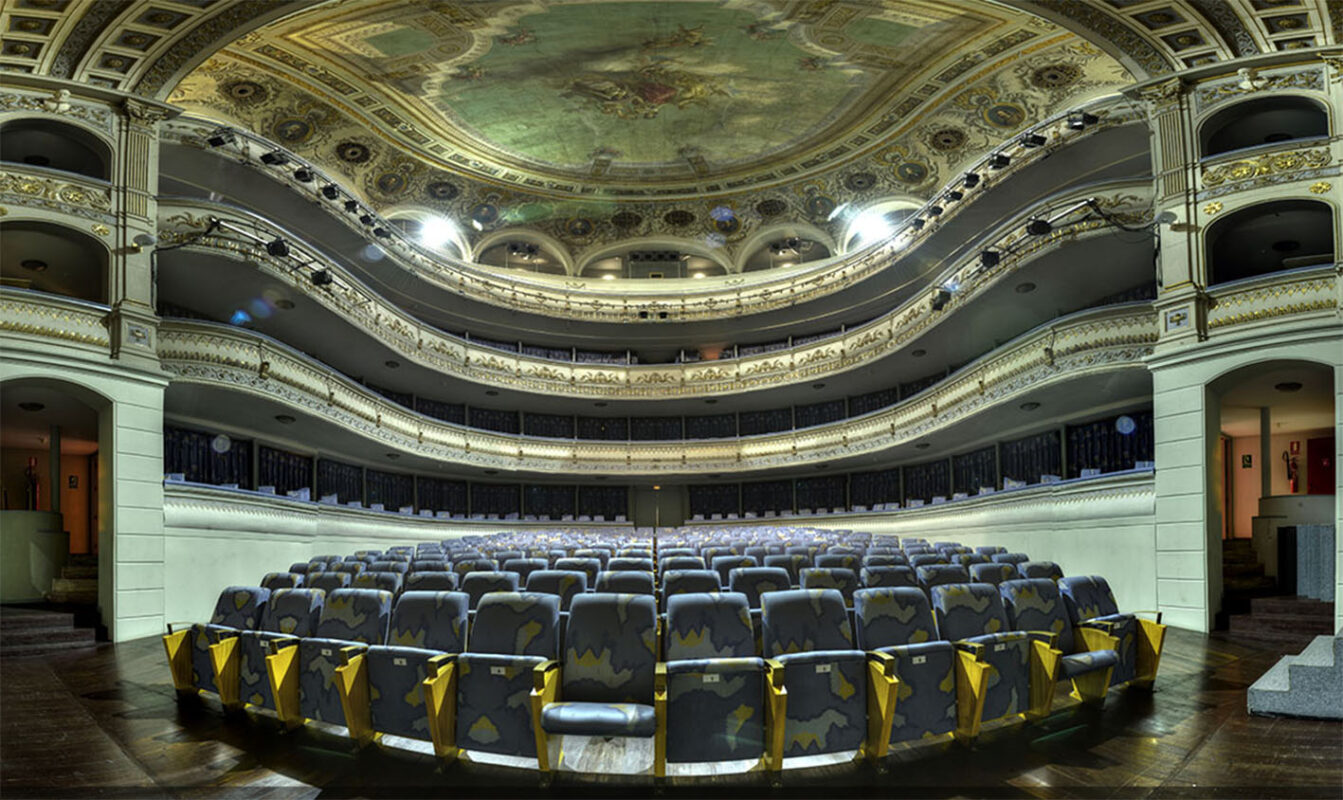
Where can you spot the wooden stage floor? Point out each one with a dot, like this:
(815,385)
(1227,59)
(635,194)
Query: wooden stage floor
(106,723)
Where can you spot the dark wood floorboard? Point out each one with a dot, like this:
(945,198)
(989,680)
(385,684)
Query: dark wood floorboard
(106,723)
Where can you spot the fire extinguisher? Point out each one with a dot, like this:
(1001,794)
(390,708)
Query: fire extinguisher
(1293,473)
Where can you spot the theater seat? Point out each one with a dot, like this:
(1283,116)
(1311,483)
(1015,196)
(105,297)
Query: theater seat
(1010,558)
(487,708)
(917,560)
(588,566)
(627,564)
(791,563)
(898,621)
(993,573)
(827,680)
(603,685)
(838,578)
(329,581)
(884,560)
(1023,668)
(281,580)
(1040,569)
(461,566)
(381,581)
(1091,604)
(238,608)
(876,576)
(687,581)
(669,563)
(303,673)
(239,660)
(626,581)
(831,559)
(968,560)
(724,564)
(564,584)
(478,584)
(714,684)
(381,689)
(602,556)
(1089,655)
(940,574)
(431,582)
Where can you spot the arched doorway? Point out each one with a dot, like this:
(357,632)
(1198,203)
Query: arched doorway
(55,474)
(1273,484)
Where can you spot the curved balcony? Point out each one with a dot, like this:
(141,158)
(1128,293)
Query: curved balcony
(626,301)
(1068,352)
(414,341)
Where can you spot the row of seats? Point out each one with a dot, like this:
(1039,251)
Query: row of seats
(764,670)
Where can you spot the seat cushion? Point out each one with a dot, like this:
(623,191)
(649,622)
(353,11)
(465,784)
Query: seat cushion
(1082,663)
(599,719)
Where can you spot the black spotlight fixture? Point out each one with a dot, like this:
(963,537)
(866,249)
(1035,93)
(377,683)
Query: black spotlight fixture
(351,206)
(1033,140)
(330,192)
(303,175)
(1038,227)
(274,158)
(989,259)
(935,211)
(323,277)
(367,219)
(940,299)
(277,247)
(382,233)
(1079,120)
(918,223)
(999,160)
(220,138)
(971,180)
(954,195)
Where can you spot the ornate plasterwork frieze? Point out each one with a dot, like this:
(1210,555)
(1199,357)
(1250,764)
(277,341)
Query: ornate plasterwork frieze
(98,116)
(53,319)
(1284,163)
(1274,297)
(222,356)
(1213,93)
(63,192)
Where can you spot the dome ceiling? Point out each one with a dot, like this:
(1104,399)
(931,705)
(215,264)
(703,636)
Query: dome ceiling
(699,122)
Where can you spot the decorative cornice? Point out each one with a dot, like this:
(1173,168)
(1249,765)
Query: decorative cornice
(1286,162)
(51,318)
(1271,297)
(64,192)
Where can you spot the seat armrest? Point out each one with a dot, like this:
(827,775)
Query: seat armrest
(226,658)
(180,625)
(1044,673)
(1047,637)
(350,651)
(1096,624)
(660,714)
(355,699)
(545,690)
(1097,639)
(883,690)
(177,646)
(275,645)
(975,649)
(1151,639)
(436,664)
(282,669)
(440,703)
(776,713)
(972,685)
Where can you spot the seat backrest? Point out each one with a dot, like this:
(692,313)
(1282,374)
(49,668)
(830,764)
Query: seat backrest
(356,615)
(281,580)
(1040,569)
(329,581)
(431,620)
(504,555)
(430,565)
(610,649)
(240,607)
(993,573)
(431,582)
(602,556)
(517,624)
(926,559)
(758,552)
(564,584)
(792,563)
(804,620)
(302,567)
(1035,604)
(891,616)
(838,578)
(710,553)
(968,560)
(888,576)
(724,565)
(990,549)
(667,552)
(628,581)
(668,563)
(478,584)
(1087,597)
(588,566)
(938,574)
(626,564)
(968,609)
(849,561)
(709,625)
(461,566)
(635,552)
(523,567)
(352,567)
(293,611)
(1010,558)
(884,560)
(686,581)
(757,581)
(390,566)
(384,581)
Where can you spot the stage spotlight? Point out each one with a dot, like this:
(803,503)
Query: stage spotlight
(1033,140)
(277,248)
(971,180)
(367,219)
(351,206)
(382,233)
(1079,120)
(954,195)
(1038,227)
(999,160)
(274,158)
(303,174)
(989,258)
(940,299)
(323,277)
(918,223)
(330,191)
(221,137)
(935,211)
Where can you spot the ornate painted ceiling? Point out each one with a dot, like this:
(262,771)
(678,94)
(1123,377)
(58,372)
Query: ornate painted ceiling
(596,121)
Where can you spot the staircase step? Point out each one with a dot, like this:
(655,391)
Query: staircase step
(30,636)
(43,648)
(1299,626)
(74,584)
(20,618)
(1301,606)
(80,571)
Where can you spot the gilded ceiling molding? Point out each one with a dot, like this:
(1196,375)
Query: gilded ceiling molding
(97,17)
(1107,31)
(1228,24)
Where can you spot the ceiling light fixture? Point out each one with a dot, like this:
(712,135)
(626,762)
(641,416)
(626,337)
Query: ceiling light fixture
(277,247)
(971,180)
(1079,120)
(1033,140)
(331,191)
(220,138)
(940,298)
(954,195)
(608,277)
(918,223)
(935,211)
(1039,227)
(697,275)
(274,158)
(436,231)
(391,363)
(323,277)
(988,259)
(1025,288)
(351,206)
(303,175)
(999,160)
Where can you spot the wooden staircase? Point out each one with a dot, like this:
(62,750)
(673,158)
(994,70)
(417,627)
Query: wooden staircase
(78,583)
(28,631)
